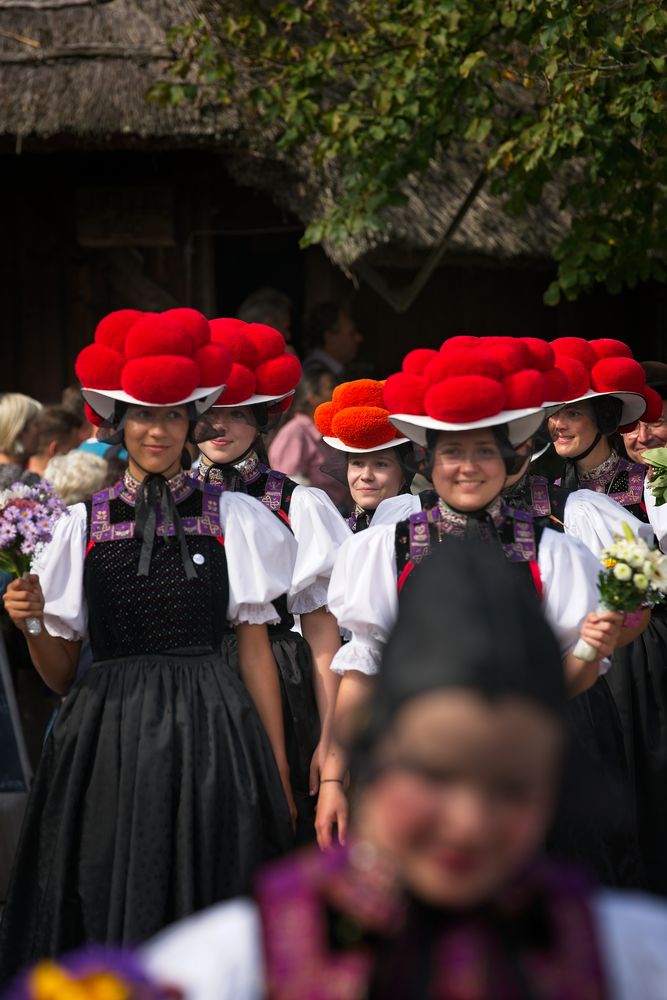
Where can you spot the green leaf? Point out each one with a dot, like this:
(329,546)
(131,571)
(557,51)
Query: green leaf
(470,62)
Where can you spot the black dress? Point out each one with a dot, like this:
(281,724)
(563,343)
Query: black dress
(290,650)
(157,793)
(638,682)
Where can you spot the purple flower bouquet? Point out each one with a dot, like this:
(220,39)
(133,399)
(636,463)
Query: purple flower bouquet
(28,515)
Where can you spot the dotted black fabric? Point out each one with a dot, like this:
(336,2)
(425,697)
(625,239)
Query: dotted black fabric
(129,615)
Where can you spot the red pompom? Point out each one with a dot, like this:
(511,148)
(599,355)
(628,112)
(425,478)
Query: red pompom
(461,362)
(464,399)
(193,322)
(556,385)
(524,390)
(606,347)
(93,418)
(510,356)
(269,343)
(463,340)
(577,348)
(99,367)
(654,405)
(154,334)
(281,406)
(542,356)
(230,332)
(416,361)
(404,393)
(578,377)
(360,392)
(278,375)
(323,417)
(215,364)
(112,330)
(240,386)
(162,380)
(618,373)
(363,426)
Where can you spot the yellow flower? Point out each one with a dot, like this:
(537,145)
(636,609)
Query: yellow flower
(609,563)
(49,982)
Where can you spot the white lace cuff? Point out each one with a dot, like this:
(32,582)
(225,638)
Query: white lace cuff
(57,627)
(356,656)
(255,614)
(309,599)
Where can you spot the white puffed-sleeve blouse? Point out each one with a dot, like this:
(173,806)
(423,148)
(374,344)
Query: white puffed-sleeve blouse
(319,531)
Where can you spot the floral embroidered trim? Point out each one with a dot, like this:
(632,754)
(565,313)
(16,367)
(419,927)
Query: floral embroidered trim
(601,470)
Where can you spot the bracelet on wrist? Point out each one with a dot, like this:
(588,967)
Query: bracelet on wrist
(338,781)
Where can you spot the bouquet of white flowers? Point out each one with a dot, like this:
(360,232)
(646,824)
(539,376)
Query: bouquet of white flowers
(634,576)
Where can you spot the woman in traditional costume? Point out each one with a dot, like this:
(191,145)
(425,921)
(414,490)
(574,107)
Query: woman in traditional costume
(377,460)
(260,385)
(612,395)
(442,891)
(164,782)
(470,434)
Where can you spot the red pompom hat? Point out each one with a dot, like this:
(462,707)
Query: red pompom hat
(600,368)
(470,386)
(356,419)
(152,359)
(262,371)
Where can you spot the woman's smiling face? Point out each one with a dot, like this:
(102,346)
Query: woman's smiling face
(236,431)
(374,476)
(468,468)
(573,429)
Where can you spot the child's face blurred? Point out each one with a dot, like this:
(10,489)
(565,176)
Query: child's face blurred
(464,795)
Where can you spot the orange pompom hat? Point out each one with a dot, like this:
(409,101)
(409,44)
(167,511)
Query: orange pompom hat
(263,370)
(152,359)
(356,419)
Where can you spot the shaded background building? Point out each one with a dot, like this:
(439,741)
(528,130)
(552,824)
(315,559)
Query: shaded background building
(113,202)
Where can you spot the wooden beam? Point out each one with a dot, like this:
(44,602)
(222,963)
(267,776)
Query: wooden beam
(87,52)
(37,5)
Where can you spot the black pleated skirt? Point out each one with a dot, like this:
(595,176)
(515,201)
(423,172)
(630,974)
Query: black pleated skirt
(596,825)
(638,681)
(157,795)
(300,717)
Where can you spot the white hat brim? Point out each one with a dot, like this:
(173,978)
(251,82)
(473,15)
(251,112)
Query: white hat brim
(634,404)
(521,424)
(103,401)
(252,400)
(336,443)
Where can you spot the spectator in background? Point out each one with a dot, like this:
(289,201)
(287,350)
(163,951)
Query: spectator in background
(72,400)
(17,435)
(269,306)
(77,475)
(297,448)
(332,338)
(57,431)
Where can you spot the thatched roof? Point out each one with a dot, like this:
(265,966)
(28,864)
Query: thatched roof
(81,69)
(78,72)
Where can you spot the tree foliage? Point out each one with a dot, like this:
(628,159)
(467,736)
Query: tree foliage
(567,90)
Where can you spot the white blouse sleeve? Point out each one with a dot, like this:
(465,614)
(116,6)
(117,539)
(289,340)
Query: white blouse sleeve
(260,559)
(395,509)
(319,531)
(363,598)
(594,519)
(632,931)
(569,574)
(60,570)
(215,953)
(657,517)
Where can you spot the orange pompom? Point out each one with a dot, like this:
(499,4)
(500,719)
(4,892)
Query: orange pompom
(363,426)
(99,367)
(542,355)
(404,393)
(193,322)
(361,392)
(160,379)
(323,416)
(618,373)
(416,361)
(464,399)
(577,348)
(269,343)
(215,364)
(112,329)
(154,334)
(278,375)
